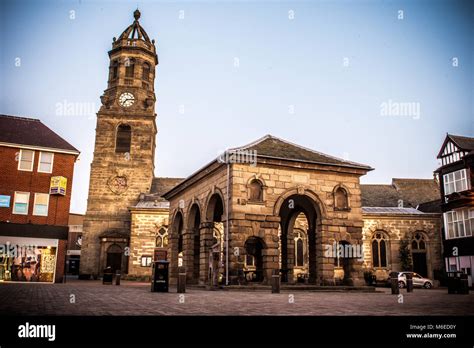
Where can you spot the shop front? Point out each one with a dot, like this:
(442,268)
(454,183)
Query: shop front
(28,259)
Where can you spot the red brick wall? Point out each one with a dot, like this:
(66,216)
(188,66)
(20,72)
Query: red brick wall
(12,179)
(60,261)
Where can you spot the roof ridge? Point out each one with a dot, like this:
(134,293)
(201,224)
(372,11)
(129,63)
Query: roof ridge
(460,136)
(269,136)
(24,118)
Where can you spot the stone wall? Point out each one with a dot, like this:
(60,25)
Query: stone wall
(144,231)
(397,227)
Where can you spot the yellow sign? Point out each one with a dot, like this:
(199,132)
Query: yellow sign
(58,185)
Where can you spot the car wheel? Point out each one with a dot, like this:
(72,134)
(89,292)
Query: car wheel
(401,284)
(427,285)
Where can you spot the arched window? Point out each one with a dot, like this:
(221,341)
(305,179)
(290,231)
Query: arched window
(256,191)
(418,242)
(124,138)
(146,72)
(379,250)
(340,199)
(162,238)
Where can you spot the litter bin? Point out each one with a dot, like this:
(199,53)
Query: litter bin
(457,283)
(159,278)
(108,276)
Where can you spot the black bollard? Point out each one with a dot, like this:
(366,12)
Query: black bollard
(117,278)
(275,281)
(181,280)
(409,277)
(394,284)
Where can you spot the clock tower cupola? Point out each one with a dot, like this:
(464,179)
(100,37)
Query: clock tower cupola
(123,162)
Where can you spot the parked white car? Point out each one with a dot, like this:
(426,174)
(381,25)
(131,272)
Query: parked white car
(418,280)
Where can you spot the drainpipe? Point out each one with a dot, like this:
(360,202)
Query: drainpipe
(227,228)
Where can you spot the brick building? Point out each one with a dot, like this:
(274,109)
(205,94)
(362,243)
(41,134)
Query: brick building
(36,173)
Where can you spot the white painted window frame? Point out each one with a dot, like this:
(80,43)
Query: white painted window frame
(15,201)
(34,204)
(32,161)
(39,162)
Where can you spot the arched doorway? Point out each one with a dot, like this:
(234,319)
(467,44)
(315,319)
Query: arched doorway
(418,254)
(215,238)
(253,270)
(343,262)
(178,230)
(114,257)
(194,226)
(289,212)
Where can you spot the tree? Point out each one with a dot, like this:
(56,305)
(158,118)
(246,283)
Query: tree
(405,255)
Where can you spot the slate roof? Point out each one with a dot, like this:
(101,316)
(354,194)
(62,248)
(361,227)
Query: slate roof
(413,192)
(464,143)
(272,147)
(391,210)
(32,132)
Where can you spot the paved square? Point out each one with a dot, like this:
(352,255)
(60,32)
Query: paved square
(131,298)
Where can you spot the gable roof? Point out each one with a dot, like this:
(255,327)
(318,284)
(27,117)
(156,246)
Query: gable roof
(412,192)
(270,146)
(31,132)
(462,142)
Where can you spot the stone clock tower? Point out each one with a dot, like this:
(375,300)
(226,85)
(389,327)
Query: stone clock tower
(123,165)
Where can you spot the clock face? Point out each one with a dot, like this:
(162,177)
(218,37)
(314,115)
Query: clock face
(126,99)
(118,184)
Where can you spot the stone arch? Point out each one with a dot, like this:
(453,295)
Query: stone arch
(193,245)
(288,207)
(304,191)
(254,247)
(420,248)
(212,202)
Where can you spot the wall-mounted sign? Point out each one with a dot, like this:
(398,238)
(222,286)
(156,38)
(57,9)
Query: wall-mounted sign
(4,201)
(58,185)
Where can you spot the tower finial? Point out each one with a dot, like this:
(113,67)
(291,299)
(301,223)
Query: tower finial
(136,14)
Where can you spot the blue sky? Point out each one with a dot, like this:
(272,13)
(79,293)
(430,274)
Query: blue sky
(317,79)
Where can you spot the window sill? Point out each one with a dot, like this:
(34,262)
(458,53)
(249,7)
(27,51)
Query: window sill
(257,202)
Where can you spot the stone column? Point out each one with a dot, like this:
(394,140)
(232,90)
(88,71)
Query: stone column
(188,253)
(173,258)
(206,243)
